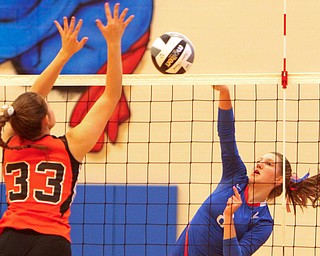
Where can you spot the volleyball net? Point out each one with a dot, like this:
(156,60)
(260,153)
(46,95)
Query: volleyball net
(136,195)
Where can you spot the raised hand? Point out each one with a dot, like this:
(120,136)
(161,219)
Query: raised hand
(233,204)
(70,45)
(116,24)
(69,36)
(220,87)
(224,97)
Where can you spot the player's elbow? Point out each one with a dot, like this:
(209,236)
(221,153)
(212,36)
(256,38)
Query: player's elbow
(114,94)
(115,98)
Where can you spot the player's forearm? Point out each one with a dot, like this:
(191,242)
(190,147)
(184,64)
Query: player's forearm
(114,72)
(47,78)
(229,230)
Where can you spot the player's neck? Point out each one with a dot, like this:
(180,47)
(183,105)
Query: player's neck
(45,131)
(257,193)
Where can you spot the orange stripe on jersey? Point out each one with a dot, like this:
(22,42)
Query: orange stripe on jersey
(39,186)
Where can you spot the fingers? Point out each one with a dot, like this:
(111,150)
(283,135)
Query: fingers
(115,15)
(220,87)
(128,20)
(78,27)
(116,24)
(58,26)
(236,193)
(99,24)
(69,35)
(72,22)
(108,11)
(83,41)
(230,201)
(234,199)
(116,11)
(123,14)
(69,28)
(65,23)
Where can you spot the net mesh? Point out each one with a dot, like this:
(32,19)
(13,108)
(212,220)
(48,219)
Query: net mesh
(166,159)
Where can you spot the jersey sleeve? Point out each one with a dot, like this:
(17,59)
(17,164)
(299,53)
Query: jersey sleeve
(233,166)
(250,242)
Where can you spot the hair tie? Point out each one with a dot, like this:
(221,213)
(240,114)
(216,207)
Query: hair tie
(10,110)
(295,179)
(292,186)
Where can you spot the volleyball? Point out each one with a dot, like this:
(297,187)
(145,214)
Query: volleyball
(172,53)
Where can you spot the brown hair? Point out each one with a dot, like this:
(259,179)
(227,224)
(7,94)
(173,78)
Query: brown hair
(29,109)
(297,192)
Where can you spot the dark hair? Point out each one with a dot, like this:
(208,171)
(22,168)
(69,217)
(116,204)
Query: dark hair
(300,192)
(29,109)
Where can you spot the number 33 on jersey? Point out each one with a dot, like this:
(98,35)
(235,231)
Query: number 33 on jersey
(41,182)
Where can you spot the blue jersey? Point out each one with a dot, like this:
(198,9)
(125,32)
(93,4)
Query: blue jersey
(253,223)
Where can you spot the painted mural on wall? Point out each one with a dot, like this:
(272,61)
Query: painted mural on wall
(29,40)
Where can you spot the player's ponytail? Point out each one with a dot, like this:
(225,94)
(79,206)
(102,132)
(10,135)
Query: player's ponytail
(300,191)
(4,118)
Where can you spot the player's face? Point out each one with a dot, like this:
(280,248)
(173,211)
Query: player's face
(266,170)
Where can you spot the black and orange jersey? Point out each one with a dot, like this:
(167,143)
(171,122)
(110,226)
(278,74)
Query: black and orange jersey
(40,185)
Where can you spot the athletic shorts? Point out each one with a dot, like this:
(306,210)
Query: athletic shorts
(30,243)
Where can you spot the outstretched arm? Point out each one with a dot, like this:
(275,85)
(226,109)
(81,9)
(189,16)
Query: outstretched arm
(226,132)
(83,137)
(69,46)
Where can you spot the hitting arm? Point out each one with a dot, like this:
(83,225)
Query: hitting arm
(224,97)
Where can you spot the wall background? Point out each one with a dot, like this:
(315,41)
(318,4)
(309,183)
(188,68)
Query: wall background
(239,36)
(242,36)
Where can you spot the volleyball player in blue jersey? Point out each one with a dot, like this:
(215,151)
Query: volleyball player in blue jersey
(235,220)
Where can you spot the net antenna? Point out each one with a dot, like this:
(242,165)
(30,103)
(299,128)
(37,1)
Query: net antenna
(284,82)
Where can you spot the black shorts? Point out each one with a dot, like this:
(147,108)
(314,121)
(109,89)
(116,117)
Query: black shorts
(30,243)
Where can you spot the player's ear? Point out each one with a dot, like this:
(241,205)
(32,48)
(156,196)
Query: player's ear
(45,120)
(279,180)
